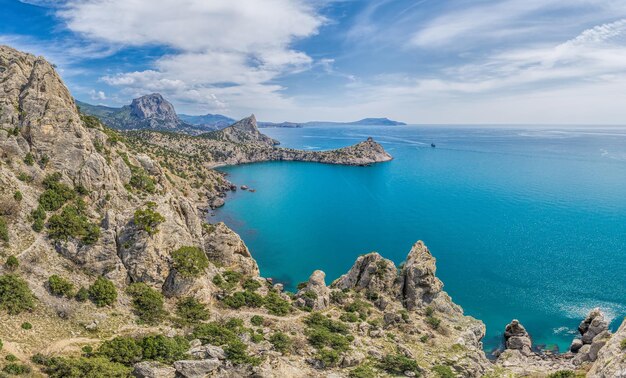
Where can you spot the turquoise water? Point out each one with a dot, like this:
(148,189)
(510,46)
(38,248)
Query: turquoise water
(524,223)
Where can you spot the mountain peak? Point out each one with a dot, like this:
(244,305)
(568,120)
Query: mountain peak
(153,106)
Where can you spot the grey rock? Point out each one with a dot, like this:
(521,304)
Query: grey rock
(208,352)
(516,337)
(315,294)
(153,369)
(196,368)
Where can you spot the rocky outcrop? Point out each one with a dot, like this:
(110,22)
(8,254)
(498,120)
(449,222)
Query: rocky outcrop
(153,369)
(244,131)
(516,338)
(420,286)
(594,331)
(610,361)
(315,295)
(196,368)
(225,248)
(153,108)
(370,272)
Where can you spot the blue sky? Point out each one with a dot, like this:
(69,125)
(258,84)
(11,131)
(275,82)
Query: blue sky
(421,61)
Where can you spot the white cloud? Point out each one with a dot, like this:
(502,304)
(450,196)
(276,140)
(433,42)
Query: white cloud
(97,95)
(225,50)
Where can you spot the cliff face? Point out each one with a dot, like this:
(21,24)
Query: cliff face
(156,111)
(244,131)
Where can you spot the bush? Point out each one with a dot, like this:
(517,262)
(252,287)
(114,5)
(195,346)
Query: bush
(237,353)
(18,196)
(122,349)
(562,374)
(277,305)
(244,298)
(324,332)
(60,367)
(191,311)
(622,344)
(27,326)
(72,223)
(102,292)
(433,322)
(214,333)
(29,159)
(164,349)
(189,261)
(39,217)
(147,303)
(148,219)
(16,369)
(15,296)
(256,320)
(60,286)
(56,193)
(4,230)
(251,284)
(350,317)
(10,358)
(12,263)
(398,364)
(82,294)
(140,180)
(362,371)
(328,357)
(443,371)
(281,342)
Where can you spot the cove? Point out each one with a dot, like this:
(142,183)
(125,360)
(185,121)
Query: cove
(525,223)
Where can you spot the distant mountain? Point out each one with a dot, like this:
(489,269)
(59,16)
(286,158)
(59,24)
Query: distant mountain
(281,124)
(363,122)
(208,121)
(151,112)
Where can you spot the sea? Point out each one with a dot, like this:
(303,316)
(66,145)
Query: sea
(526,222)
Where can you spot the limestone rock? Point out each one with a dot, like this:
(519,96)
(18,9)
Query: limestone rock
(594,324)
(517,338)
(225,247)
(243,131)
(208,352)
(610,361)
(196,368)
(315,294)
(420,286)
(370,272)
(153,369)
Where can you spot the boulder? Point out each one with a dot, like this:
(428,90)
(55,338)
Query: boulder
(196,368)
(224,247)
(370,272)
(208,352)
(153,369)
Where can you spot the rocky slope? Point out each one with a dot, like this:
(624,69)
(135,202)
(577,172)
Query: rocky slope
(109,269)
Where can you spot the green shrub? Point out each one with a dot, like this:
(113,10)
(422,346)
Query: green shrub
(147,303)
(16,369)
(232,277)
(56,193)
(72,223)
(328,357)
(38,217)
(11,358)
(251,284)
(122,349)
(324,332)
(443,371)
(25,177)
(244,298)
(102,292)
(12,263)
(95,367)
(350,317)
(237,353)
(398,364)
(622,344)
(214,333)
(18,196)
(562,374)
(191,311)
(140,180)
(430,311)
(4,230)
(276,305)
(256,320)
(281,342)
(82,294)
(164,349)
(60,286)
(15,296)
(148,219)
(362,371)
(27,326)
(29,159)
(433,322)
(1,344)
(189,261)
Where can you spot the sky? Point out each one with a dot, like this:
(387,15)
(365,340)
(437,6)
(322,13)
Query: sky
(419,61)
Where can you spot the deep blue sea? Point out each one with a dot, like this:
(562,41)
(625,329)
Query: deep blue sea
(525,222)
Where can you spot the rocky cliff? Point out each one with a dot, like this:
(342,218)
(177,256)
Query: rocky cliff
(109,269)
